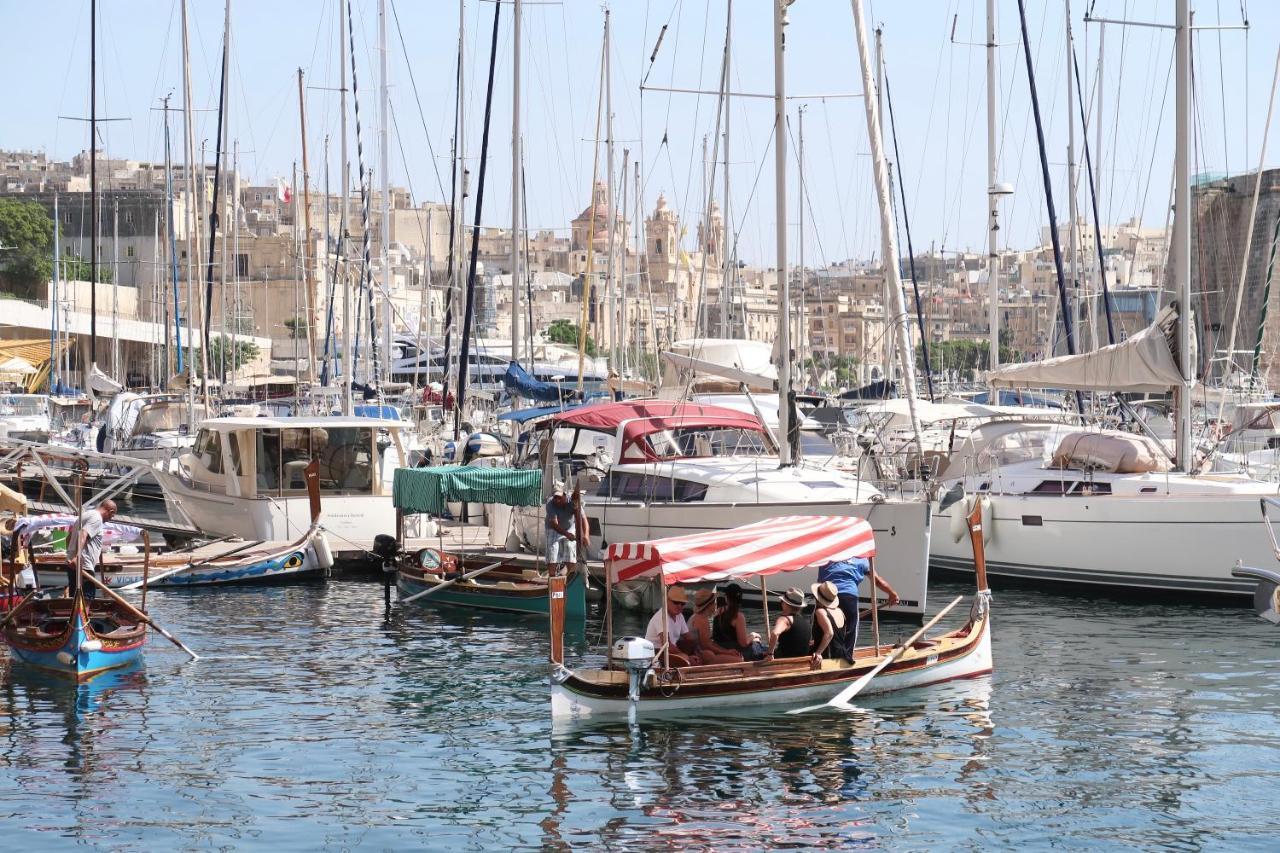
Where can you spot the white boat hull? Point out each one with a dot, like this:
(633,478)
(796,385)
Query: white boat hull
(568,705)
(1183,543)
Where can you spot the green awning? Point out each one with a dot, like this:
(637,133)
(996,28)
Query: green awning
(417,490)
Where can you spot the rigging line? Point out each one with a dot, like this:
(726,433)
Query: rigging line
(911,255)
(1115,124)
(662,32)
(1093,197)
(1222,93)
(1155,140)
(413,82)
(928,125)
(840,206)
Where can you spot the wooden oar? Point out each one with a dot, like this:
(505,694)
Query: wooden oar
(17,607)
(138,613)
(245,547)
(841,699)
(450,583)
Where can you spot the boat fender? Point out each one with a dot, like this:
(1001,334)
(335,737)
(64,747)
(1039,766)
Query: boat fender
(324,554)
(91,646)
(959,520)
(66,658)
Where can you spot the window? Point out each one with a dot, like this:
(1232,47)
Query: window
(242,265)
(66,217)
(128,217)
(208,450)
(658,246)
(128,251)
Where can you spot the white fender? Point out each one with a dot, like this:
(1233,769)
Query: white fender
(959,521)
(324,554)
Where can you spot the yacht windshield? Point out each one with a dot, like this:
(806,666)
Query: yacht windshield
(167,416)
(695,442)
(24,405)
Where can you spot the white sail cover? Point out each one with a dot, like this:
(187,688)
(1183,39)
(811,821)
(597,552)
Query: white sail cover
(1147,362)
(784,544)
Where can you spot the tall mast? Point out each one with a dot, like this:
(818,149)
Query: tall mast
(1097,148)
(308,280)
(348,366)
(1181,244)
(171,228)
(384,136)
(887,298)
(802,326)
(93,193)
(1073,213)
(515,186)
(726,276)
(993,227)
(888,237)
(115,291)
(193,242)
(53,300)
(610,271)
(780,227)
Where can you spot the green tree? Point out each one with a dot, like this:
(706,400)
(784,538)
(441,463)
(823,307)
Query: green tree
(844,367)
(26,247)
(296,326)
(236,357)
(564,332)
(76,268)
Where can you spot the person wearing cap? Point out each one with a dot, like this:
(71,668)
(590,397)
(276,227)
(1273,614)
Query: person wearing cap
(847,575)
(670,628)
(704,606)
(828,630)
(561,530)
(790,637)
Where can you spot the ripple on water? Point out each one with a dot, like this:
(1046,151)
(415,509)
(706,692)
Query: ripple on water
(318,720)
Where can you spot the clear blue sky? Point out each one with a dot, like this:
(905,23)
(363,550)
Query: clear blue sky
(938,90)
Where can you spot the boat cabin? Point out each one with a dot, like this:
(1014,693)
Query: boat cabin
(268,457)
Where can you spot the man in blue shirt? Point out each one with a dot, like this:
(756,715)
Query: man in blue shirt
(846,575)
(561,531)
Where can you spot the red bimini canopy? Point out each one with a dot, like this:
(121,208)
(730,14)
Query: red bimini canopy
(784,544)
(607,416)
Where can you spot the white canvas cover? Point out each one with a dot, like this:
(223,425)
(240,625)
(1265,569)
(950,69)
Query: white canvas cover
(1116,452)
(1144,363)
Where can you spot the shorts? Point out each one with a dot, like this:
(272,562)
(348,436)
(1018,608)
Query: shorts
(561,550)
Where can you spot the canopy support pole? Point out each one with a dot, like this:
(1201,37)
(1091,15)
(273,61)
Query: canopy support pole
(666,629)
(875,604)
(764,602)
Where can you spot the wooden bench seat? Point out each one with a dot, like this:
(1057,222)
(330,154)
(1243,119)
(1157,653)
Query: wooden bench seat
(745,669)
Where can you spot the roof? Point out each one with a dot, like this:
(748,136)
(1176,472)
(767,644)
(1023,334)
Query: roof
(608,417)
(418,490)
(317,421)
(785,544)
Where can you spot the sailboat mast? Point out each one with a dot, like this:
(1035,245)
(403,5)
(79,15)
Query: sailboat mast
(344,213)
(993,260)
(384,136)
(193,241)
(515,186)
(780,227)
(171,228)
(53,300)
(726,275)
(308,276)
(93,192)
(888,233)
(610,222)
(1182,229)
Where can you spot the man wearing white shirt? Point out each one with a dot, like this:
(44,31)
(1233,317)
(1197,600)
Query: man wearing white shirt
(674,625)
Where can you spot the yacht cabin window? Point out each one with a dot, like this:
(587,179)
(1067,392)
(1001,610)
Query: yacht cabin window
(345,456)
(208,450)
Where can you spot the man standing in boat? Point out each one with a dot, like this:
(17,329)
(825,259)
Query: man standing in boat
(84,546)
(561,531)
(846,575)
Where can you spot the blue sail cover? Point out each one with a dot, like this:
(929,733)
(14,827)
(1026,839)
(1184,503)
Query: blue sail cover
(520,382)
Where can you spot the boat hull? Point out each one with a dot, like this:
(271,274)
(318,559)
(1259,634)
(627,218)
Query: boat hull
(576,698)
(1178,544)
(477,595)
(78,653)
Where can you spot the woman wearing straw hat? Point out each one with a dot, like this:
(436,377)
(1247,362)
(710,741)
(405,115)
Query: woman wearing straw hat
(704,605)
(828,623)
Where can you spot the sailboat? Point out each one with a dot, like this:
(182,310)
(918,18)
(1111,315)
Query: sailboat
(1101,508)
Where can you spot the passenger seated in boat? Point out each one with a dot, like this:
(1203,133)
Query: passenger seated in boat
(828,630)
(729,628)
(683,651)
(791,634)
(704,606)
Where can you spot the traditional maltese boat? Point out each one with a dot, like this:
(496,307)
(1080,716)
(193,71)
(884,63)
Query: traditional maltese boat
(76,637)
(638,680)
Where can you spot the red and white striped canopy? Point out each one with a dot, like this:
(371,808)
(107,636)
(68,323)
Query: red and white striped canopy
(784,544)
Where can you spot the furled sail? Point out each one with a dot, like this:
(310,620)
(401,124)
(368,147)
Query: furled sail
(1147,363)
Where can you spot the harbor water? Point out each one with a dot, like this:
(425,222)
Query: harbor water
(319,719)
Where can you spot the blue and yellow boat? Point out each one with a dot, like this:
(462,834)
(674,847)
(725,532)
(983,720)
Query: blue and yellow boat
(75,637)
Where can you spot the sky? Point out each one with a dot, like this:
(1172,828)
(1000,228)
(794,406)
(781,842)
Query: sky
(933,56)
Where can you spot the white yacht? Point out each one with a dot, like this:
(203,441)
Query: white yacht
(245,477)
(24,416)
(651,469)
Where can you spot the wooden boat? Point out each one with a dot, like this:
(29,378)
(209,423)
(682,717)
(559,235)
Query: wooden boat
(504,588)
(476,581)
(645,683)
(75,637)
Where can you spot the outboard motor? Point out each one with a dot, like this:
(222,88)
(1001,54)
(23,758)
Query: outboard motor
(636,654)
(384,548)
